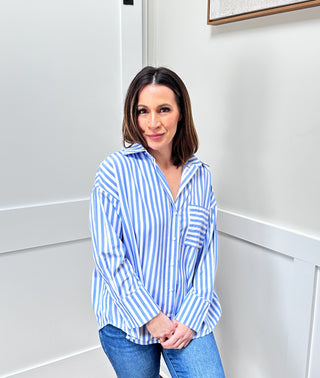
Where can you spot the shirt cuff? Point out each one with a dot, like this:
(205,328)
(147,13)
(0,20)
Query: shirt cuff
(193,311)
(139,308)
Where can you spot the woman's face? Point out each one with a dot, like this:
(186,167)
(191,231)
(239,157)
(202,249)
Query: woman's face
(158,117)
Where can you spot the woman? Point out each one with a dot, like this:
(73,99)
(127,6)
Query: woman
(153,225)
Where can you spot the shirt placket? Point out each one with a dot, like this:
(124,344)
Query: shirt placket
(173,250)
(174,245)
(173,257)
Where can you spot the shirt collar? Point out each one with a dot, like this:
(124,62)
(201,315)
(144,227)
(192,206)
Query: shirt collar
(134,149)
(195,161)
(137,148)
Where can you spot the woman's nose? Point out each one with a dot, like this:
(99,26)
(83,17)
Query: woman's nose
(154,121)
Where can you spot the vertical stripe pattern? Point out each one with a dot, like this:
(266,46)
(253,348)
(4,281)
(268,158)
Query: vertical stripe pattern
(152,253)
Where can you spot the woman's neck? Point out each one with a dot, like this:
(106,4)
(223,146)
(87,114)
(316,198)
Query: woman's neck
(162,158)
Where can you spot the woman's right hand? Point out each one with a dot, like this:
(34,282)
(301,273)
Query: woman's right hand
(161,327)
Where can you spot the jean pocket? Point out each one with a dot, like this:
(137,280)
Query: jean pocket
(198,223)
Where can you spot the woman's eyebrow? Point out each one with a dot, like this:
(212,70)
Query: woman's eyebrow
(158,106)
(165,104)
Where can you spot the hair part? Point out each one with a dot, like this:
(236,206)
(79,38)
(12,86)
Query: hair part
(185,141)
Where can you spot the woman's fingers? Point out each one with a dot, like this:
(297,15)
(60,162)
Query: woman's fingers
(181,337)
(175,343)
(161,327)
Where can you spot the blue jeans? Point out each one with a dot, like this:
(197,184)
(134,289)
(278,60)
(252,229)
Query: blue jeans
(200,359)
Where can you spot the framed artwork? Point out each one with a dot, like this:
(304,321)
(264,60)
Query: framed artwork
(224,11)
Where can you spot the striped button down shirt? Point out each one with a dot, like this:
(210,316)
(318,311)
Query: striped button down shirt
(153,253)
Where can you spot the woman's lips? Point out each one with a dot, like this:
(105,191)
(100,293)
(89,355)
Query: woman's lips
(155,136)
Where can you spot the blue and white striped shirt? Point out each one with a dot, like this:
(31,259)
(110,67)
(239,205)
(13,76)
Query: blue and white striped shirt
(153,253)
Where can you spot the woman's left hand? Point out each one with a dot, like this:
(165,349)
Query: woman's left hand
(181,337)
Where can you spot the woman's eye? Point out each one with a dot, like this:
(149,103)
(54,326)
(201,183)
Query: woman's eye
(164,110)
(141,111)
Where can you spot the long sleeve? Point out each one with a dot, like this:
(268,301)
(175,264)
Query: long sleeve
(201,295)
(134,303)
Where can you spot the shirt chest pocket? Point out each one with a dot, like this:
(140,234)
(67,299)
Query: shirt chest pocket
(197,225)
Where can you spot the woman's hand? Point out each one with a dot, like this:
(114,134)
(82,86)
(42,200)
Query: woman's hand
(181,337)
(161,327)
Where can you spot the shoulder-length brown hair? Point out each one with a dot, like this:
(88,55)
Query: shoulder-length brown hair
(185,141)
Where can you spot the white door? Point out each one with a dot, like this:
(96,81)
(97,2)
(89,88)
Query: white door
(63,67)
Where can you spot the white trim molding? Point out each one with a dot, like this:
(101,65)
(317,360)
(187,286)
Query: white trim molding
(44,224)
(81,364)
(266,235)
(21,372)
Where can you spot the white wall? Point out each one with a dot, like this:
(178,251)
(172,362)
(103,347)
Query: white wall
(254,87)
(63,67)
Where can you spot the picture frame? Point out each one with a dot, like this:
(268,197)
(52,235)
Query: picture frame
(225,11)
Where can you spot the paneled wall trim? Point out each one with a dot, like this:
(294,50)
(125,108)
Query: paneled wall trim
(281,240)
(303,318)
(44,224)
